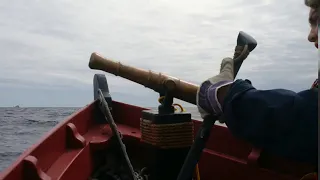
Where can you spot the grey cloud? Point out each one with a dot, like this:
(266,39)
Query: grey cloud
(47,44)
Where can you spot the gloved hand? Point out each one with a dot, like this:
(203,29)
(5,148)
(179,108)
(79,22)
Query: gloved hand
(207,94)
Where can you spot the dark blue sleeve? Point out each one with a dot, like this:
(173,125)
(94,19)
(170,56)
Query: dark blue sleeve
(279,121)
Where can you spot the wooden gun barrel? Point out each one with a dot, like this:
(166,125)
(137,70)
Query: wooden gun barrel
(179,89)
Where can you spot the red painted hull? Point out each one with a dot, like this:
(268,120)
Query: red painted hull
(71,151)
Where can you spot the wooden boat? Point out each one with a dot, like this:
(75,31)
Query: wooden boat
(90,143)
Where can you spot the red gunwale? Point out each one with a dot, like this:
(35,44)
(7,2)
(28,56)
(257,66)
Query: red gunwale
(67,151)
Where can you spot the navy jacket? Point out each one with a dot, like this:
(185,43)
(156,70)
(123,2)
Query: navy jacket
(279,121)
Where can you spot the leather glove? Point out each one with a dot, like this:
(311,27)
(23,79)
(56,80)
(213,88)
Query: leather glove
(207,94)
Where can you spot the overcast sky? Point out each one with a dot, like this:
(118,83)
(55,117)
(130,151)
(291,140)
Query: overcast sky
(45,45)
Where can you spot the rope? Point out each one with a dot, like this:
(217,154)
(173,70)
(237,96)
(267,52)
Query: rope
(310,176)
(160,100)
(104,107)
(315,84)
(167,135)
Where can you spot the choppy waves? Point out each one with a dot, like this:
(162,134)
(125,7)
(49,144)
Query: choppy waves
(22,127)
